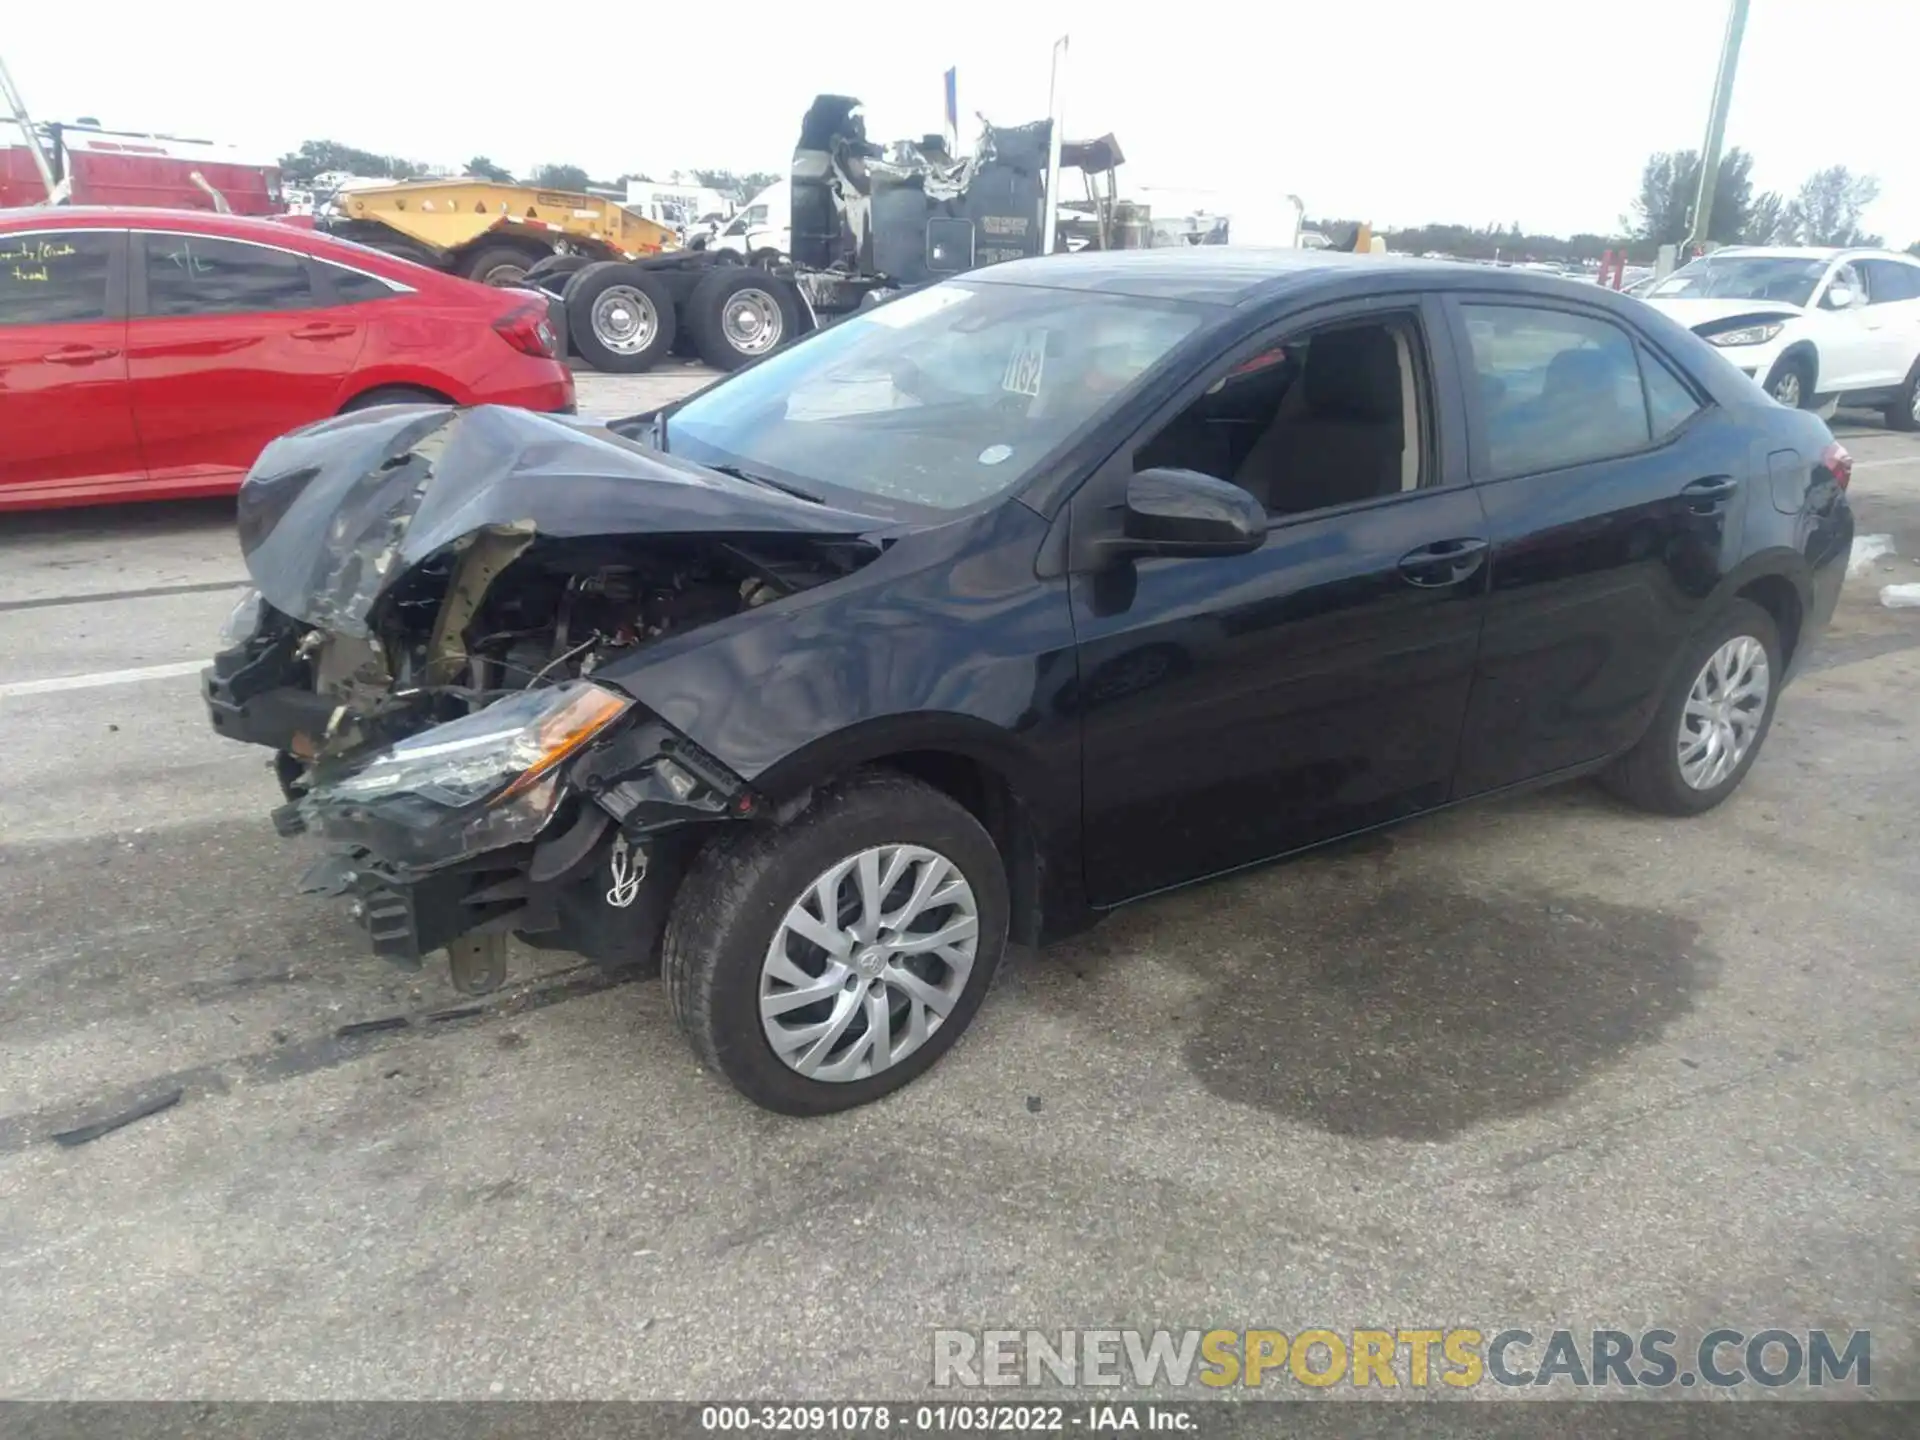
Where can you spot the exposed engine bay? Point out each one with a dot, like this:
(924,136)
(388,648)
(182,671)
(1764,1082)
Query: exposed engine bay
(463,631)
(445,603)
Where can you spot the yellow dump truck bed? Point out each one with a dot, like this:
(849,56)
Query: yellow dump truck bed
(449,215)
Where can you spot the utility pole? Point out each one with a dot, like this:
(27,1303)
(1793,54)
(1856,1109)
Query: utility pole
(1717,124)
(1056,115)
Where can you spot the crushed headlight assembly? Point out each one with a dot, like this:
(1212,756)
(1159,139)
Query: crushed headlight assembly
(481,782)
(243,621)
(1747,335)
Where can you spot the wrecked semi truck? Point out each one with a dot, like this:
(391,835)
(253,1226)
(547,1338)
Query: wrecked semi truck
(865,221)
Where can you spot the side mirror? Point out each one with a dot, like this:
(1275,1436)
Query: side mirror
(1182,512)
(1840,297)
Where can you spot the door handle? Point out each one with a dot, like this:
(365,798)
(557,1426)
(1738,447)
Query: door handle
(322,331)
(79,355)
(1706,495)
(1444,562)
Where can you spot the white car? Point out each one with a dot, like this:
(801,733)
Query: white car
(1813,327)
(763,227)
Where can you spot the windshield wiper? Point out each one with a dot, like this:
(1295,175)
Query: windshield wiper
(767,481)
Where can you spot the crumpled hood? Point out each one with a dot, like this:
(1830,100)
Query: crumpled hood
(332,516)
(1698,312)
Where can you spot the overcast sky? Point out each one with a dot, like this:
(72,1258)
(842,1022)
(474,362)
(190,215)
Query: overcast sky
(1399,112)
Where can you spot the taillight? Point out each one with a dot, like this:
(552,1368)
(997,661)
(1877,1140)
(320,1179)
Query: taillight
(1838,463)
(528,329)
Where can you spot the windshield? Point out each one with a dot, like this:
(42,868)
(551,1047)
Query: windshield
(1787,278)
(941,398)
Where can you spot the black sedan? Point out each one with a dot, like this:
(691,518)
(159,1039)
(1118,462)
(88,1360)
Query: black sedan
(1005,603)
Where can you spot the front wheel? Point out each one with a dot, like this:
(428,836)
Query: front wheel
(1790,382)
(1716,714)
(822,964)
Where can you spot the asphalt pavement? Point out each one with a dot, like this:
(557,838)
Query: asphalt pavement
(1546,1063)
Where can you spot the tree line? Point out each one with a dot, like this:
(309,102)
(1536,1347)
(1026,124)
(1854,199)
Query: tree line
(1828,208)
(319,157)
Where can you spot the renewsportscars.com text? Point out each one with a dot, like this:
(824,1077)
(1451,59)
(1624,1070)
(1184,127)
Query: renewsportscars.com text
(1413,1358)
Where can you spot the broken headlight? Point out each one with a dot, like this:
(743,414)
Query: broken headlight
(242,621)
(478,783)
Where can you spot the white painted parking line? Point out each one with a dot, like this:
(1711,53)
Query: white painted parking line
(12,688)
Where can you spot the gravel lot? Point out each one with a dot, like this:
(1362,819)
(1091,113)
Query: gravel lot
(1543,1062)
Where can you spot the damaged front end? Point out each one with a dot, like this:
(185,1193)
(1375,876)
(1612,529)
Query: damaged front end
(436,590)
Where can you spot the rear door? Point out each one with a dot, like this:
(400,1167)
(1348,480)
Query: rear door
(1613,491)
(66,419)
(231,343)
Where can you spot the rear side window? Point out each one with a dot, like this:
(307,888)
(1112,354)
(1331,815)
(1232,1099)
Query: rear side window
(1669,403)
(1556,388)
(55,279)
(199,275)
(350,287)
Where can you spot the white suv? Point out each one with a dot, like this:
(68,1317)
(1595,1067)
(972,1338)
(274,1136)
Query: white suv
(1814,327)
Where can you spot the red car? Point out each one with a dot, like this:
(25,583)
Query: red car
(150,354)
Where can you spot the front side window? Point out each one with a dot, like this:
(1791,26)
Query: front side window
(1320,419)
(1890,281)
(940,398)
(55,278)
(1556,388)
(1844,290)
(1790,279)
(200,275)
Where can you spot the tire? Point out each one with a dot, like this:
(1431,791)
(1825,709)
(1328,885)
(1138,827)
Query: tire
(619,317)
(1792,375)
(1904,412)
(498,265)
(1650,775)
(737,314)
(394,395)
(733,907)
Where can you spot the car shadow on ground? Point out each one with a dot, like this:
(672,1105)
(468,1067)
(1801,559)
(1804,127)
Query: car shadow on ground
(147,518)
(1348,992)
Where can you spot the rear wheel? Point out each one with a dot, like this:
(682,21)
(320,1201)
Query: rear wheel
(619,317)
(1904,412)
(1791,383)
(738,314)
(498,265)
(821,964)
(1715,717)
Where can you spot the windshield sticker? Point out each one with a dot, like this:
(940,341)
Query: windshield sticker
(1022,375)
(912,308)
(994,454)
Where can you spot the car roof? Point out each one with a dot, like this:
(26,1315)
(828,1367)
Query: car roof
(1808,252)
(147,216)
(1231,276)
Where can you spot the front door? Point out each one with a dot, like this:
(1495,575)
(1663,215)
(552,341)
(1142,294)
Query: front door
(1893,316)
(1613,492)
(66,421)
(229,348)
(1236,708)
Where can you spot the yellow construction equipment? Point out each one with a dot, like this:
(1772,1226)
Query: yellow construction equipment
(493,233)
